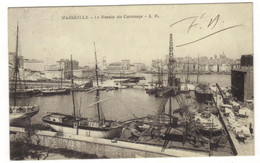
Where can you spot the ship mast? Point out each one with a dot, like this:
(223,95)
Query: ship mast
(73,98)
(159,76)
(61,75)
(16,69)
(162,73)
(198,69)
(72,87)
(97,92)
(188,70)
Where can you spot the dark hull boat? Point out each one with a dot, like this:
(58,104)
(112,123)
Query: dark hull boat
(203,97)
(25,92)
(51,92)
(153,90)
(203,94)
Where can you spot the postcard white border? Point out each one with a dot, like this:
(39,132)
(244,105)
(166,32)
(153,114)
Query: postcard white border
(4,137)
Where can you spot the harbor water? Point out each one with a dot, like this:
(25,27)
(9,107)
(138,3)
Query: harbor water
(212,79)
(122,104)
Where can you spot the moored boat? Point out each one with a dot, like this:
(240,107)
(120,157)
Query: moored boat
(207,121)
(76,125)
(153,90)
(82,126)
(209,126)
(203,93)
(24,92)
(19,112)
(60,91)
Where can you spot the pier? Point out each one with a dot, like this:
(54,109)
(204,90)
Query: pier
(100,147)
(239,148)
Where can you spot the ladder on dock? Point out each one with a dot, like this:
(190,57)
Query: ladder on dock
(167,139)
(181,102)
(162,105)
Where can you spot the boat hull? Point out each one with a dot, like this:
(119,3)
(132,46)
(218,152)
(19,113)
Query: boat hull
(14,117)
(66,124)
(203,97)
(58,92)
(23,93)
(108,134)
(213,136)
(153,90)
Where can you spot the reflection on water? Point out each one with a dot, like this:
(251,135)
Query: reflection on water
(222,80)
(123,104)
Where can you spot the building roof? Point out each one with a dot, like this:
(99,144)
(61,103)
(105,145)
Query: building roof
(115,64)
(32,61)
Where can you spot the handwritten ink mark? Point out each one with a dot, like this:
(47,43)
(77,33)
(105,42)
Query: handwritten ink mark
(192,25)
(214,20)
(209,35)
(202,15)
(192,17)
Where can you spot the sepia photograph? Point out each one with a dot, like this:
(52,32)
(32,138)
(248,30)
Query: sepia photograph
(131,81)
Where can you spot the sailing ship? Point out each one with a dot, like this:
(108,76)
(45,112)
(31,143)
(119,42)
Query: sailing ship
(203,93)
(18,112)
(158,84)
(55,91)
(186,85)
(73,125)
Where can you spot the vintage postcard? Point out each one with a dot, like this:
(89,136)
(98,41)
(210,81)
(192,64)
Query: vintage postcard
(131,81)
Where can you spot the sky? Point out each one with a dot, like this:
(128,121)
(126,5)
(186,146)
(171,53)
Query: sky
(141,34)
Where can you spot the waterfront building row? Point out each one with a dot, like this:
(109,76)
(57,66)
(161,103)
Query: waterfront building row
(181,67)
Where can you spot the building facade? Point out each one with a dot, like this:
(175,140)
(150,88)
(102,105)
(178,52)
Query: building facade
(65,64)
(33,65)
